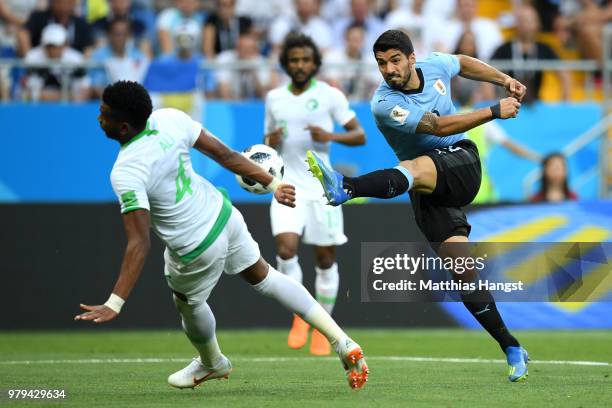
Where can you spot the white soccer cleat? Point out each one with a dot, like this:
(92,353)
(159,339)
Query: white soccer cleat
(354,363)
(196,373)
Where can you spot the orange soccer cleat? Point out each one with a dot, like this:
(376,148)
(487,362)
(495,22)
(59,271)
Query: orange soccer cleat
(298,335)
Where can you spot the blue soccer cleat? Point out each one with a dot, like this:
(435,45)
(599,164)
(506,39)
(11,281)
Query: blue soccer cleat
(329,178)
(517,358)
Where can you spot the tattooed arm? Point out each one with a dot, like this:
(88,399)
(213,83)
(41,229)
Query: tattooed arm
(452,124)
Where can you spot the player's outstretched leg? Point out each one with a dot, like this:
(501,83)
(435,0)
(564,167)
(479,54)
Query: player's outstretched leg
(199,325)
(387,183)
(298,334)
(271,283)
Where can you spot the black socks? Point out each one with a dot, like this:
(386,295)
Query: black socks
(482,306)
(386,183)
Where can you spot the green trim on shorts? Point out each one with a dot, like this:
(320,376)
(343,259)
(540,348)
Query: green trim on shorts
(326,299)
(213,234)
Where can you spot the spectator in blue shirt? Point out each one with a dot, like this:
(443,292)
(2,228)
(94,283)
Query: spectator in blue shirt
(121,59)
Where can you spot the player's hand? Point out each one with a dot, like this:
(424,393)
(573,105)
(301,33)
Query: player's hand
(509,108)
(515,89)
(285,195)
(275,137)
(318,134)
(99,313)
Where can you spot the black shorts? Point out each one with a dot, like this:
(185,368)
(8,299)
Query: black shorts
(439,214)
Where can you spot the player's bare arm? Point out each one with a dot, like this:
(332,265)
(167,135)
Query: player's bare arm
(274,138)
(452,124)
(522,151)
(475,69)
(136,225)
(214,148)
(354,135)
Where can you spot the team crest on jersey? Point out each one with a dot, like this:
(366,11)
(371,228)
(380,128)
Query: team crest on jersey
(312,104)
(440,87)
(399,114)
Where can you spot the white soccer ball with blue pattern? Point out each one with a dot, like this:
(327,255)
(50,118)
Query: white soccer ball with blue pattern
(268,159)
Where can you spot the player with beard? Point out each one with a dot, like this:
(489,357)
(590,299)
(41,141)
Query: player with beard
(439,165)
(300,116)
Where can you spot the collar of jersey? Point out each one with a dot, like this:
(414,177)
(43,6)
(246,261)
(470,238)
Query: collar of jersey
(146,132)
(421,86)
(313,83)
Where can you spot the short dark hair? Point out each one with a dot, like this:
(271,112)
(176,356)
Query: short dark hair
(129,102)
(394,39)
(353,25)
(118,20)
(298,40)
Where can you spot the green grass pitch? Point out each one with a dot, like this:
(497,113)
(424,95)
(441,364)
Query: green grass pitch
(266,373)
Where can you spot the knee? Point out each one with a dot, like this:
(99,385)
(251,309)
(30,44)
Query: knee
(285,251)
(423,171)
(414,168)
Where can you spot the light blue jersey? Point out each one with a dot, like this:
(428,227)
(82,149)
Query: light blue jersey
(398,113)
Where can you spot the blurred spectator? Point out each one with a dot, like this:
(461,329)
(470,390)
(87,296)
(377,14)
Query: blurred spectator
(357,82)
(121,59)
(360,14)
(465,91)
(548,11)
(422,29)
(175,80)
(525,48)
(186,13)
(554,186)
(263,16)
(13,14)
(223,28)
(487,33)
(243,83)
(46,84)
(586,18)
(120,9)
(60,12)
(332,10)
(305,20)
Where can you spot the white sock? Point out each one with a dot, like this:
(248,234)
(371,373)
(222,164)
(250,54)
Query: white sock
(296,298)
(326,286)
(290,267)
(199,325)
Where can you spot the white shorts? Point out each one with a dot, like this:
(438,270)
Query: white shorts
(233,251)
(318,223)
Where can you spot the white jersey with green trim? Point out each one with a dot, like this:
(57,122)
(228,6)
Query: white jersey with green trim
(153,171)
(320,105)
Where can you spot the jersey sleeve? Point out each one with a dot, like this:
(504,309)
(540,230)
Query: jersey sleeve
(395,112)
(449,63)
(341,112)
(193,129)
(181,122)
(129,186)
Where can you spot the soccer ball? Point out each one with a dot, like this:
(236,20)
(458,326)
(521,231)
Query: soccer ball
(268,159)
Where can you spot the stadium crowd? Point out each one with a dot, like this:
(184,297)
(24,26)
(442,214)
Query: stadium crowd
(162,43)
